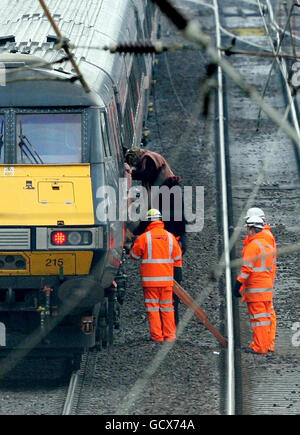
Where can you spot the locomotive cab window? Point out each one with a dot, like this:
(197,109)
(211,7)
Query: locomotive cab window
(1,139)
(49,138)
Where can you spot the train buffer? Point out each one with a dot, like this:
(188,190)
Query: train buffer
(202,316)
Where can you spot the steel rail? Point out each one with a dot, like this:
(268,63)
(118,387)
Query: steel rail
(68,405)
(81,381)
(230,387)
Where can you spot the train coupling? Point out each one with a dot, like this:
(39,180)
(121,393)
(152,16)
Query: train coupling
(45,308)
(88,325)
(121,281)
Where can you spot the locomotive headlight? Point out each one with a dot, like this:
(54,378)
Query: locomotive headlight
(59,238)
(74,238)
(69,238)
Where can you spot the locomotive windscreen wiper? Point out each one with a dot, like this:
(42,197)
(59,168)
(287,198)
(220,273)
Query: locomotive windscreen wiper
(28,149)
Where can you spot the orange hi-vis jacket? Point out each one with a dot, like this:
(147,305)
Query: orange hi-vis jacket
(160,252)
(256,274)
(270,239)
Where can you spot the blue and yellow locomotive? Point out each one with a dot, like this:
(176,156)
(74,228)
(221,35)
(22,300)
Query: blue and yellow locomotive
(59,261)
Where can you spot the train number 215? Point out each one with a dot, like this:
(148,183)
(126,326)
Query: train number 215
(54,262)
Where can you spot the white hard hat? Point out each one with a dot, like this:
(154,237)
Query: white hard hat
(255,221)
(255,211)
(153,215)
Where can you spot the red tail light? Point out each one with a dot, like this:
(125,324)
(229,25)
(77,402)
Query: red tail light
(59,238)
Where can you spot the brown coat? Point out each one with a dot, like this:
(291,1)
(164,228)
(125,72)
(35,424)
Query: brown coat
(153,170)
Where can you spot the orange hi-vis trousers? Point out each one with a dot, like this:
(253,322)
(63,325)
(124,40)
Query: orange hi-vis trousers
(160,312)
(260,320)
(273,328)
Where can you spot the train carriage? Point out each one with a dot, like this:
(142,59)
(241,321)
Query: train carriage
(59,145)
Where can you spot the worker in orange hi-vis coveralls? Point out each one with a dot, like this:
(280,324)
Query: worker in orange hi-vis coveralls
(256,277)
(255,211)
(159,252)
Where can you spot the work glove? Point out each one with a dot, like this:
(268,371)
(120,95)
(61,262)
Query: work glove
(178,274)
(236,289)
(183,243)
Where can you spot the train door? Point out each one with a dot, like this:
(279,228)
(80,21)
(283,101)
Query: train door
(111,164)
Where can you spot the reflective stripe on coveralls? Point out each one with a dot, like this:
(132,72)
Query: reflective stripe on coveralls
(159,252)
(260,320)
(269,237)
(271,240)
(256,272)
(160,313)
(256,275)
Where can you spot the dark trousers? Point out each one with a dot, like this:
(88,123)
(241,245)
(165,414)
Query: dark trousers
(176,306)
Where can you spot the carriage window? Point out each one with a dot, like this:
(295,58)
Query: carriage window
(107,149)
(49,138)
(1,138)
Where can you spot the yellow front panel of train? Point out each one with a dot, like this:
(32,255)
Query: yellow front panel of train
(51,264)
(45,195)
(45,263)
(55,192)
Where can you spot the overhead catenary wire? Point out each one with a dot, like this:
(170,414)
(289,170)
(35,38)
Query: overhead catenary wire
(192,31)
(276,52)
(158,48)
(291,31)
(49,79)
(218,270)
(36,65)
(284,72)
(136,49)
(141,47)
(230,52)
(39,65)
(253,193)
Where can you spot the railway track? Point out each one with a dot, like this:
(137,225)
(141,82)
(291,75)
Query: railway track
(77,397)
(262,164)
